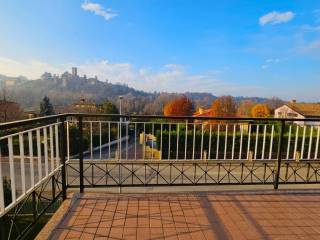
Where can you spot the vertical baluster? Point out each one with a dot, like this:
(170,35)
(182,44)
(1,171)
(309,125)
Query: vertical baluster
(241,138)
(218,138)
(68,142)
(31,158)
(57,145)
(289,142)
(109,140)
(144,140)
(256,144)
(225,143)
(11,165)
(1,186)
(100,139)
(249,139)
(201,148)
(271,142)
(91,142)
(310,143)
(317,143)
(177,150)
(296,142)
(23,177)
(45,139)
(80,152)
(303,141)
(210,135)
(194,140)
(127,139)
(51,147)
(161,129)
(135,140)
(169,148)
(118,140)
(233,141)
(264,141)
(186,141)
(39,155)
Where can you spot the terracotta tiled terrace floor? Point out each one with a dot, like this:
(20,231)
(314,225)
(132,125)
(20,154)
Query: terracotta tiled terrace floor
(212,215)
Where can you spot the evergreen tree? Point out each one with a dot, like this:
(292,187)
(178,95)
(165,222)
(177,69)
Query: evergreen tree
(46,107)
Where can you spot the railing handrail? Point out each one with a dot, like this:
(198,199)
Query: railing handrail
(20,123)
(191,117)
(24,122)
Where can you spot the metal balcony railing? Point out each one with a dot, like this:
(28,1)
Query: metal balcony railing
(41,158)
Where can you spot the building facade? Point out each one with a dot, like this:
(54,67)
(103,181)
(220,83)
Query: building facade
(299,111)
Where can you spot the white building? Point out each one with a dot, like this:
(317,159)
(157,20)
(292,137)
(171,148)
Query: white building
(299,110)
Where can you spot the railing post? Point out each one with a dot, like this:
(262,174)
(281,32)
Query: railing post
(80,130)
(279,155)
(63,158)
(3,230)
(34,206)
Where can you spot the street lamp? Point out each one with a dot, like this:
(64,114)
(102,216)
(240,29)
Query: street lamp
(120,105)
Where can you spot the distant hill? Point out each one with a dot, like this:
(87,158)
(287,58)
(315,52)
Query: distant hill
(68,88)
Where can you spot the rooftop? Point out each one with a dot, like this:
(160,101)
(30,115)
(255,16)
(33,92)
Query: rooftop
(306,109)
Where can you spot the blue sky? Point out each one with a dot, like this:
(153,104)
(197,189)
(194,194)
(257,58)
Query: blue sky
(251,48)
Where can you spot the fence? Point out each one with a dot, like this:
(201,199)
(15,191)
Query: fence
(41,158)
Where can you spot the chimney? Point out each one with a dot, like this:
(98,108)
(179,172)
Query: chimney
(293,101)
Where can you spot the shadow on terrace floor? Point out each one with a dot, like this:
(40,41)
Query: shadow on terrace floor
(195,215)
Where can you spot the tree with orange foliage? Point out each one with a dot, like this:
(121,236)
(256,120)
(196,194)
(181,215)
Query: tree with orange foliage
(260,111)
(224,107)
(180,106)
(244,108)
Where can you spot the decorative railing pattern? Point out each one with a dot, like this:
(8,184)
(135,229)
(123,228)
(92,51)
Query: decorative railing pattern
(40,158)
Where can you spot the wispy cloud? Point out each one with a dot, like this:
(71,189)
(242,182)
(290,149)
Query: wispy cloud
(269,62)
(99,10)
(272,60)
(276,18)
(312,47)
(30,68)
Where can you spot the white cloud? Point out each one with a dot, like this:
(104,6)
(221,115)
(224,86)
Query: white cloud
(31,68)
(170,77)
(99,10)
(269,62)
(276,18)
(273,60)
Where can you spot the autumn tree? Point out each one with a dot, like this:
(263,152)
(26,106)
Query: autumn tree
(260,111)
(223,107)
(244,108)
(180,106)
(9,110)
